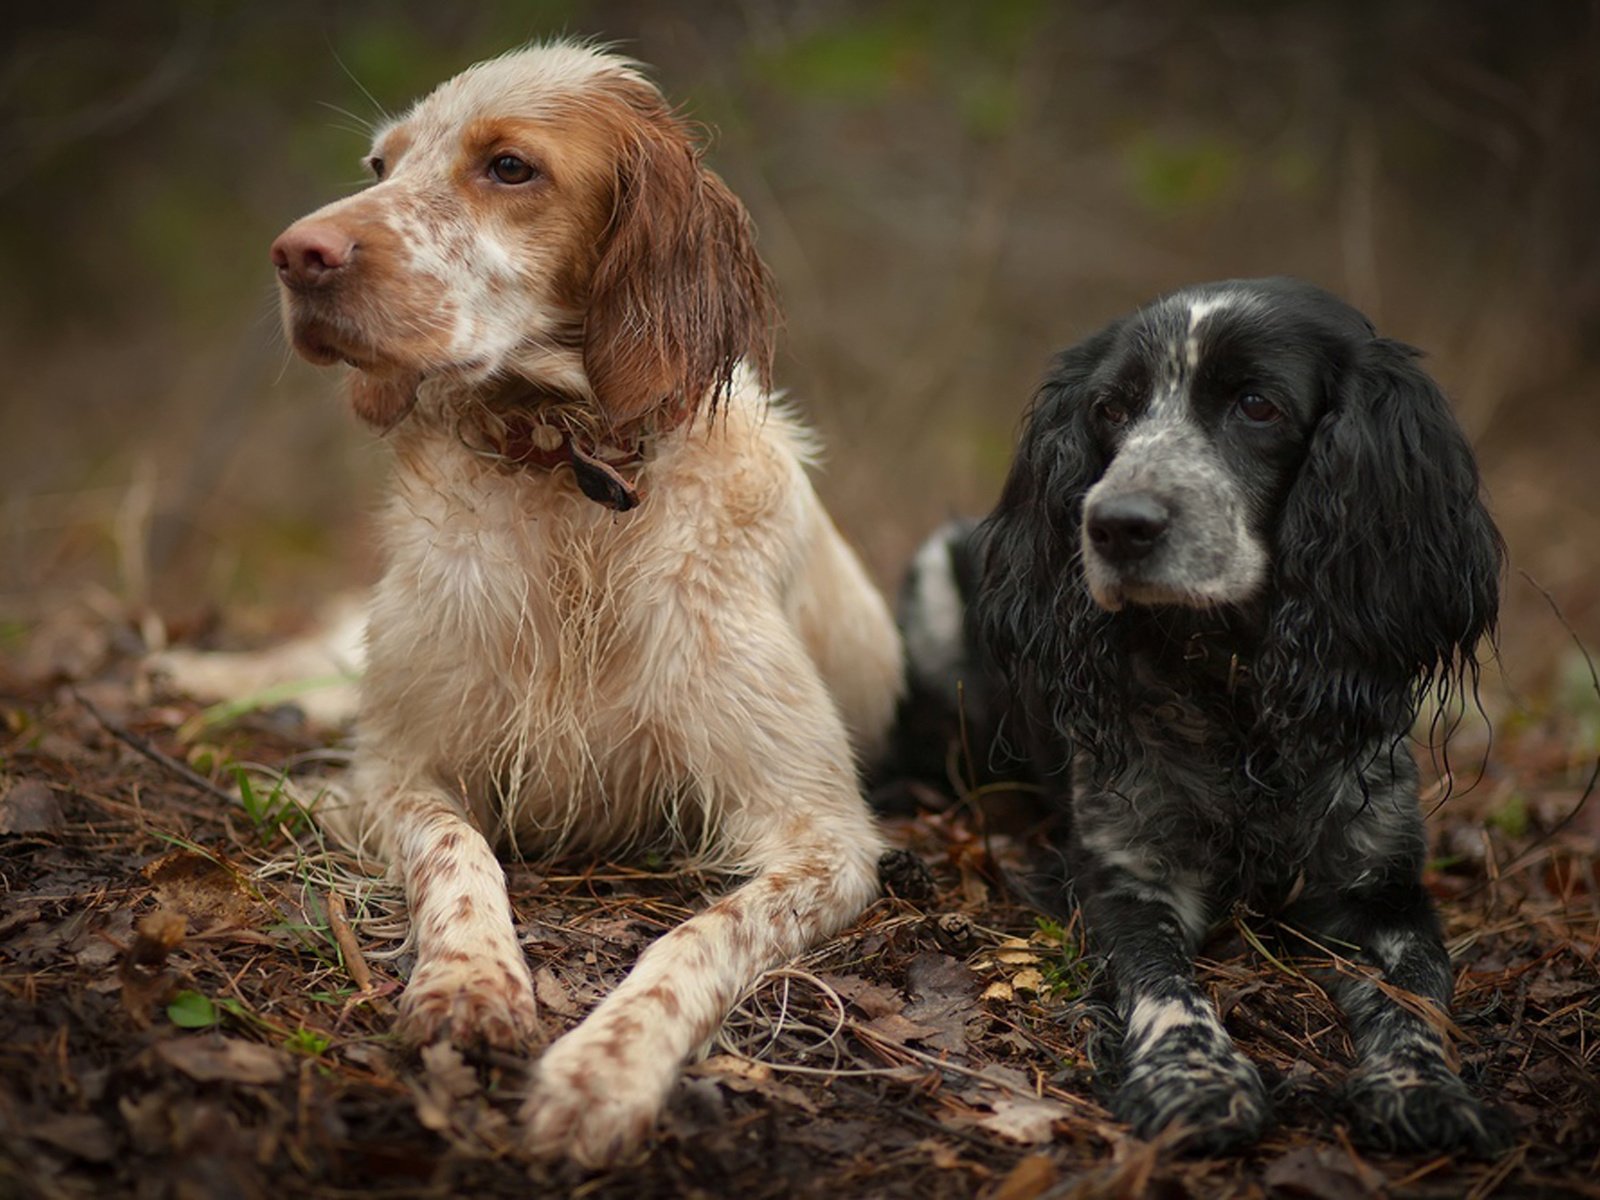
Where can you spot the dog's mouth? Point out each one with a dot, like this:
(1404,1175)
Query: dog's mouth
(1114,589)
(324,345)
(1116,594)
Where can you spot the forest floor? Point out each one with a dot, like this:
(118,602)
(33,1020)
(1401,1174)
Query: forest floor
(196,997)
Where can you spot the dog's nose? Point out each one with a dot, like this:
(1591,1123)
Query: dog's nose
(308,255)
(1124,529)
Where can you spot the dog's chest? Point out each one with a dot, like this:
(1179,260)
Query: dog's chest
(506,643)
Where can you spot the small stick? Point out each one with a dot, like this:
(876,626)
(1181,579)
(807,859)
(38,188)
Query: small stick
(193,778)
(354,961)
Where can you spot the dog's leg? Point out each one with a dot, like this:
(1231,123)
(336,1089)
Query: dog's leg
(773,758)
(1403,1095)
(1180,1069)
(471,980)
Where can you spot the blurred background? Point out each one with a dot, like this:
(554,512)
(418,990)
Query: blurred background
(948,193)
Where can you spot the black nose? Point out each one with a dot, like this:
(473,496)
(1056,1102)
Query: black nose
(1124,529)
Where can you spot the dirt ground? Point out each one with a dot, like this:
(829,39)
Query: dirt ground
(196,996)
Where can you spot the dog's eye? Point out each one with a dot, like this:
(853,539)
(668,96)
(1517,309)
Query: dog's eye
(1112,412)
(1257,409)
(377,166)
(508,168)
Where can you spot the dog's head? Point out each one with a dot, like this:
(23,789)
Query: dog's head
(543,216)
(1252,446)
(1197,416)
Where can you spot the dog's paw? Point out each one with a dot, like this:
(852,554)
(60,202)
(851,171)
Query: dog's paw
(1205,1103)
(595,1099)
(472,1001)
(1413,1107)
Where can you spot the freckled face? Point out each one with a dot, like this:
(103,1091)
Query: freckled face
(472,248)
(1202,411)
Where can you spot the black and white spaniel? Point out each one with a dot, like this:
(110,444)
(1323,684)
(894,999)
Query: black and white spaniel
(1241,542)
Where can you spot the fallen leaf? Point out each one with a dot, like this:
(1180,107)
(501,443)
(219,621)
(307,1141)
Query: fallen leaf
(1030,980)
(998,990)
(1016,958)
(742,1075)
(1313,1174)
(80,1135)
(29,806)
(944,994)
(870,999)
(222,1060)
(896,1028)
(205,889)
(1026,1119)
(552,993)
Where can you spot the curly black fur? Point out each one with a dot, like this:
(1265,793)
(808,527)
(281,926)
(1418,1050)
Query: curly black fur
(1227,677)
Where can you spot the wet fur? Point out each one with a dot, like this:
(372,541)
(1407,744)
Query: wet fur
(1223,720)
(544,674)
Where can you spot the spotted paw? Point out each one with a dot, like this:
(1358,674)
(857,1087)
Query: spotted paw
(595,1098)
(1206,1103)
(475,1001)
(1421,1106)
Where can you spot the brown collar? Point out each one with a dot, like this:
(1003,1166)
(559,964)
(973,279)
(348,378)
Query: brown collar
(542,431)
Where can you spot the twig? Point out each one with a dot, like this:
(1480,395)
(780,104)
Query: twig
(354,961)
(193,778)
(1522,859)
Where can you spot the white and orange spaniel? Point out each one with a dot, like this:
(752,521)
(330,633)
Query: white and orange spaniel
(614,613)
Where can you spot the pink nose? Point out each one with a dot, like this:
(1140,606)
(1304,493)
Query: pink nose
(308,255)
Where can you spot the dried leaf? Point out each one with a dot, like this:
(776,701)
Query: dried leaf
(552,994)
(869,999)
(1030,980)
(1016,958)
(29,806)
(213,1059)
(742,1075)
(944,994)
(894,1027)
(1026,1119)
(204,888)
(1324,1174)
(79,1134)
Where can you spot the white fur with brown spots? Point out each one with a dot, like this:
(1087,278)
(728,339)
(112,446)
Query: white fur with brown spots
(547,675)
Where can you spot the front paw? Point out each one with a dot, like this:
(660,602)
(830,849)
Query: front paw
(595,1098)
(1420,1107)
(475,1000)
(1209,1103)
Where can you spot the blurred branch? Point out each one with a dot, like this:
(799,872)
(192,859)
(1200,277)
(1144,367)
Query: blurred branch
(33,139)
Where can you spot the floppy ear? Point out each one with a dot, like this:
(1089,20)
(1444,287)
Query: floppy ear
(1387,565)
(1033,609)
(680,295)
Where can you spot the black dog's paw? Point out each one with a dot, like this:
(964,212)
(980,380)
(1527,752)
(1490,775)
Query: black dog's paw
(1410,1107)
(1208,1103)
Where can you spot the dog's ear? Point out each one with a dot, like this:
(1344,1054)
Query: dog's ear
(679,295)
(1033,609)
(1387,563)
